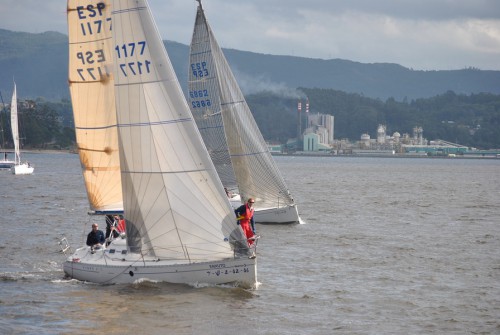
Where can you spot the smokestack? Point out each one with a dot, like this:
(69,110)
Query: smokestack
(299,125)
(307,113)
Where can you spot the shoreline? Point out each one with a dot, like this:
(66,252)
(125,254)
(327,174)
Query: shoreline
(374,155)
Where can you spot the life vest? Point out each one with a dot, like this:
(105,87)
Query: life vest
(120,227)
(247,216)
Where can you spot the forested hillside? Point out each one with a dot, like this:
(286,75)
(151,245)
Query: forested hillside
(39,64)
(471,120)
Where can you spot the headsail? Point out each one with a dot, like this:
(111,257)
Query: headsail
(92,95)
(227,125)
(174,203)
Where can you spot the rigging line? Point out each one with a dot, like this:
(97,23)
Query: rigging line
(232,102)
(155,123)
(201,52)
(171,80)
(165,172)
(210,127)
(134,9)
(91,41)
(207,78)
(96,128)
(124,269)
(249,154)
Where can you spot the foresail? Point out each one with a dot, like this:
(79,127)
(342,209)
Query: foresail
(14,125)
(211,77)
(92,95)
(205,102)
(174,203)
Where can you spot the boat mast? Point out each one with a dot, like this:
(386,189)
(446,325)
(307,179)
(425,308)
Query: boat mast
(199,2)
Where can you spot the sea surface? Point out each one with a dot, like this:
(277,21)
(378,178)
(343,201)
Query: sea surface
(389,246)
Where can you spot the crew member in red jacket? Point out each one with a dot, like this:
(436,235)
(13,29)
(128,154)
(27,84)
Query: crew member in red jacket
(244,214)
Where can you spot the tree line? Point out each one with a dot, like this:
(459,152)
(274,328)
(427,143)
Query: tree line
(471,120)
(42,125)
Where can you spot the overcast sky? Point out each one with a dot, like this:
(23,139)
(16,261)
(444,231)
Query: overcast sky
(418,34)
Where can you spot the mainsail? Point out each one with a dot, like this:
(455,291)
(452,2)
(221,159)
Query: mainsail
(92,94)
(14,126)
(174,203)
(233,139)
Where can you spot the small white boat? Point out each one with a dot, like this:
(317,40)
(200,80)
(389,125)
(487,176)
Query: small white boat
(18,167)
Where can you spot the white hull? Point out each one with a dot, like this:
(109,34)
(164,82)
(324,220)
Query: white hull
(109,266)
(288,214)
(22,169)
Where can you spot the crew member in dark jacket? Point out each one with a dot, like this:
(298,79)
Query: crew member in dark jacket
(96,237)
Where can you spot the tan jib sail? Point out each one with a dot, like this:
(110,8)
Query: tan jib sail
(92,94)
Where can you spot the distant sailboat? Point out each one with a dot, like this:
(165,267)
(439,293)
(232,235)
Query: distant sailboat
(230,133)
(18,167)
(180,227)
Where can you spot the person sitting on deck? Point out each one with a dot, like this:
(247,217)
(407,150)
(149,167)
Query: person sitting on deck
(95,239)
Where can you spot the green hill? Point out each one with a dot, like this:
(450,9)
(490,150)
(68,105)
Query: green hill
(38,62)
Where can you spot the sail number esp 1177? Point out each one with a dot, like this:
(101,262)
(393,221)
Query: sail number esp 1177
(127,50)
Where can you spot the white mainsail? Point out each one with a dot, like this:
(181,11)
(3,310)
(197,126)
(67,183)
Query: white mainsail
(15,126)
(174,202)
(234,141)
(92,94)
(18,167)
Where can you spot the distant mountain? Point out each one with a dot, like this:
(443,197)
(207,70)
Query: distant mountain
(38,63)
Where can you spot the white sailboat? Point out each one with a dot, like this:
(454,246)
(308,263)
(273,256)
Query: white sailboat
(18,167)
(232,137)
(180,227)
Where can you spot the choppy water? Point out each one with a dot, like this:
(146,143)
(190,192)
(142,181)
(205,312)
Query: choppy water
(391,246)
